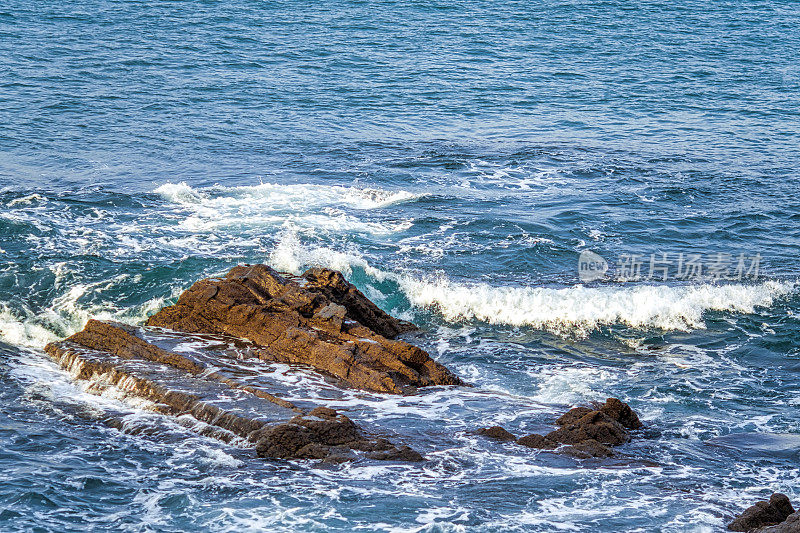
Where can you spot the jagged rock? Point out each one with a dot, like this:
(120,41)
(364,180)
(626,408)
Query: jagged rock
(318,319)
(284,441)
(332,430)
(335,288)
(587,432)
(614,408)
(622,413)
(115,356)
(771,513)
(496,433)
(588,448)
(537,441)
(594,425)
(325,434)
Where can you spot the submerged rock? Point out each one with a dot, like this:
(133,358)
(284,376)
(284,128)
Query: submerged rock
(119,359)
(772,513)
(318,319)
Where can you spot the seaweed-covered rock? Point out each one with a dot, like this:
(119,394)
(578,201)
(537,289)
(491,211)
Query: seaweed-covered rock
(318,319)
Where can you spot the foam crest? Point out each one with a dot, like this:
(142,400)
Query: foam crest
(574,310)
(581,309)
(67,315)
(291,256)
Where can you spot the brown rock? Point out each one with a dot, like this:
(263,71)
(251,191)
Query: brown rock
(763,513)
(285,441)
(325,434)
(587,432)
(537,441)
(402,453)
(622,413)
(320,320)
(114,355)
(790,525)
(593,425)
(572,416)
(496,433)
(588,448)
(335,288)
(332,431)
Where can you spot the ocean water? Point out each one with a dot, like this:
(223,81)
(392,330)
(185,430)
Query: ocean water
(453,159)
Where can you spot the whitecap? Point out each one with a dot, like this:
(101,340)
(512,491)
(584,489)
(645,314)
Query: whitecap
(573,310)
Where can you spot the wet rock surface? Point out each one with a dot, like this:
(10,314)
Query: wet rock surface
(790,525)
(496,433)
(584,432)
(775,513)
(325,434)
(116,358)
(317,319)
(595,425)
(537,441)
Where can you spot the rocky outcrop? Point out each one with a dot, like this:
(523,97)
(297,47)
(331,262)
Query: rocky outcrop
(317,319)
(584,432)
(595,425)
(115,358)
(777,513)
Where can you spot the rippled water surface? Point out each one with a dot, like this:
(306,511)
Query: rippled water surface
(453,160)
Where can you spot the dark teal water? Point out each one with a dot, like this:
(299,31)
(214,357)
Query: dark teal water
(453,159)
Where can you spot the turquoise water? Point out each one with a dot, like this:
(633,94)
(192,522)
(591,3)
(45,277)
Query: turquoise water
(453,159)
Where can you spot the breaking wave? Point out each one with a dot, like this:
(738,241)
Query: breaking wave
(574,310)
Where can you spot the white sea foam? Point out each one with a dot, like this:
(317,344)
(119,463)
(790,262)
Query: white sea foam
(67,315)
(361,198)
(581,309)
(26,200)
(574,310)
(270,204)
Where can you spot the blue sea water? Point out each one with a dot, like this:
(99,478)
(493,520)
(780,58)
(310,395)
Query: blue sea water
(453,159)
